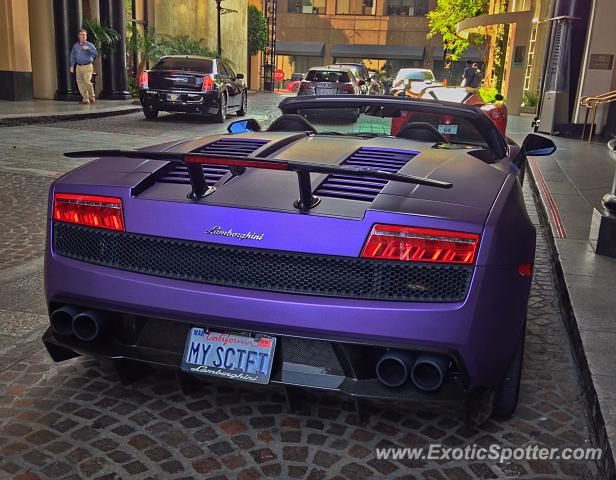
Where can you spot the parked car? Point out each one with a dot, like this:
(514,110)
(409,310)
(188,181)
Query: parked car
(410,82)
(360,72)
(315,255)
(192,84)
(496,111)
(294,81)
(330,81)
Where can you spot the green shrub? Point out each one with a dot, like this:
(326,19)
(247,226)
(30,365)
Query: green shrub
(530,99)
(488,95)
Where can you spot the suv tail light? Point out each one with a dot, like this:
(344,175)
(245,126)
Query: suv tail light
(208,84)
(305,86)
(143,79)
(413,244)
(347,88)
(89,210)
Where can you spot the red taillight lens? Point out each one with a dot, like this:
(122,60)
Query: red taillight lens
(143,79)
(412,244)
(89,210)
(208,84)
(526,270)
(305,86)
(347,89)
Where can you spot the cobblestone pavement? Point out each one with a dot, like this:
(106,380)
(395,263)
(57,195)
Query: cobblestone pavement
(75,419)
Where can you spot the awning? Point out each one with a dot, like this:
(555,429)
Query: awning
(380,52)
(306,49)
(471,53)
(479,24)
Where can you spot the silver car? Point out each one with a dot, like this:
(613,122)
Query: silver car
(330,81)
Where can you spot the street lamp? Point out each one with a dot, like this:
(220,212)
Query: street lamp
(219,12)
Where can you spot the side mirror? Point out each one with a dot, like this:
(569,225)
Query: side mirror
(498,97)
(248,125)
(428,82)
(538,146)
(239,76)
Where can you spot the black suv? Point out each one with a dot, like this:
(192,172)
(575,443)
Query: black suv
(192,84)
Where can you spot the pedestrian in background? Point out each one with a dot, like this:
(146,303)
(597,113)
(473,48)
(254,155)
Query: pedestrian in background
(82,55)
(469,75)
(478,76)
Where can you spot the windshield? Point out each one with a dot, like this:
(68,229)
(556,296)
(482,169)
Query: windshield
(414,75)
(458,95)
(201,65)
(328,76)
(376,122)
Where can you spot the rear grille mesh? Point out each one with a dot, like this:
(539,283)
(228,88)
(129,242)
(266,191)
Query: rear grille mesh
(239,147)
(366,189)
(261,269)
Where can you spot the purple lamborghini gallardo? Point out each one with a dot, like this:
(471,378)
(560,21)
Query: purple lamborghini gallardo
(381,260)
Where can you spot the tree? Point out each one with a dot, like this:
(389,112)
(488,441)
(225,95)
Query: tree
(257,30)
(444,19)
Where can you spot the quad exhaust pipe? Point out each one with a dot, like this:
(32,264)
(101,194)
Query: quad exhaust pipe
(426,371)
(86,325)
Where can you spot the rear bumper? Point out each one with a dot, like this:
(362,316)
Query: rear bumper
(300,362)
(481,331)
(188,102)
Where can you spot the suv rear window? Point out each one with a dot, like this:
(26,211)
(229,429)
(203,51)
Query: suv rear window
(328,76)
(189,64)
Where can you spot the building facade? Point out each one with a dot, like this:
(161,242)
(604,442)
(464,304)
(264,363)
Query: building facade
(385,35)
(36,37)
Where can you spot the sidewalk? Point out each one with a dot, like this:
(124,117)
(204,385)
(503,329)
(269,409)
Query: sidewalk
(39,111)
(570,183)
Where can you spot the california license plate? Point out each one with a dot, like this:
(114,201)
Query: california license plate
(327,91)
(225,355)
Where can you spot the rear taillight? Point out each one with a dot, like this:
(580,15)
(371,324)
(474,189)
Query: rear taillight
(347,88)
(89,210)
(208,84)
(305,86)
(413,244)
(143,79)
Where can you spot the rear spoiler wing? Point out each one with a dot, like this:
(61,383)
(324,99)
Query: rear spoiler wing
(306,200)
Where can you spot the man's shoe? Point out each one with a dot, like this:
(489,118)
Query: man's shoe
(92,100)
(85,101)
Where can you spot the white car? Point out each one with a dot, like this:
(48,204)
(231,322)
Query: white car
(411,81)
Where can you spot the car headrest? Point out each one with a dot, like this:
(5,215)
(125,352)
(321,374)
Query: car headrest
(291,123)
(422,132)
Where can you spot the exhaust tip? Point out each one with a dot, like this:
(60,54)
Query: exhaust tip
(62,320)
(428,373)
(88,325)
(393,368)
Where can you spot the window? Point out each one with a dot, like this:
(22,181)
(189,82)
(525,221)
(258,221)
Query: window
(328,76)
(188,64)
(411,8)
(307,6)
(355,7)
(230,72)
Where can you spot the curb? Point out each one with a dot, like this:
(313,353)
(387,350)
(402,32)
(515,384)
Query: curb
(58,117)
(591,400)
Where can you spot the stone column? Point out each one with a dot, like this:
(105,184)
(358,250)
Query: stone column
(67,16)
(115,81)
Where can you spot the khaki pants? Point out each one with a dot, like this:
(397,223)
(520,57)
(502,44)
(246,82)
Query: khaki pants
(84,81)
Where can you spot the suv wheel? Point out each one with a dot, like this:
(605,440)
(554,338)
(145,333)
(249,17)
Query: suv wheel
(244,105)
(221,116)
(150,112)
